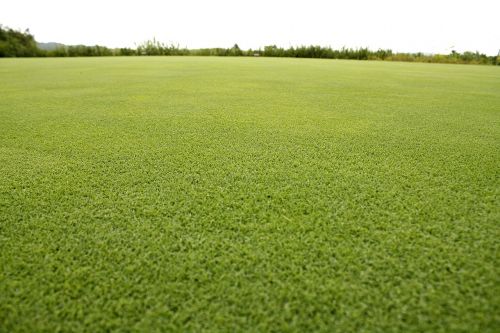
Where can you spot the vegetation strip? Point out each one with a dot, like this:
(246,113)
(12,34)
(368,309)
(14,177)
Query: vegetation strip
(22,44)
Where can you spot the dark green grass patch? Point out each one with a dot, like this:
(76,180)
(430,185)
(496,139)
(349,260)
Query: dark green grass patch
(223,195)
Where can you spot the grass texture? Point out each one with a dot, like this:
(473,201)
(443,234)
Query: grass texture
(248,195)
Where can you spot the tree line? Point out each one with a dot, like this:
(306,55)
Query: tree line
(14,43)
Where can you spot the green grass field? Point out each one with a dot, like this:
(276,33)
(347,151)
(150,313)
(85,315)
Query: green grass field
(248,194)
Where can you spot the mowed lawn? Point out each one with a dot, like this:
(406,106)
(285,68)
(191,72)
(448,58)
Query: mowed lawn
(162,194)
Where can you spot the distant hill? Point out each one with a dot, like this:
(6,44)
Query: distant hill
(49,46)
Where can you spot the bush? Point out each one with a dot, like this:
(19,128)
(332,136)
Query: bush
(17,44)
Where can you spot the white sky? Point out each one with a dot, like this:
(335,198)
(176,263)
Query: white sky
(432,26)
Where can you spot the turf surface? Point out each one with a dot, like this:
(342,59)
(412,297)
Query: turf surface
(240,194)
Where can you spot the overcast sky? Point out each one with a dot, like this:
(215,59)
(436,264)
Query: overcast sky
(433,26)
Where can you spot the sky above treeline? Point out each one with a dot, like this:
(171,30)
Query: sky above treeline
(430,26)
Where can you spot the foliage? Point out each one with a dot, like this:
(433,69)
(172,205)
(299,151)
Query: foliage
(125,52)
(80,51)
(17,44)
(155,48)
